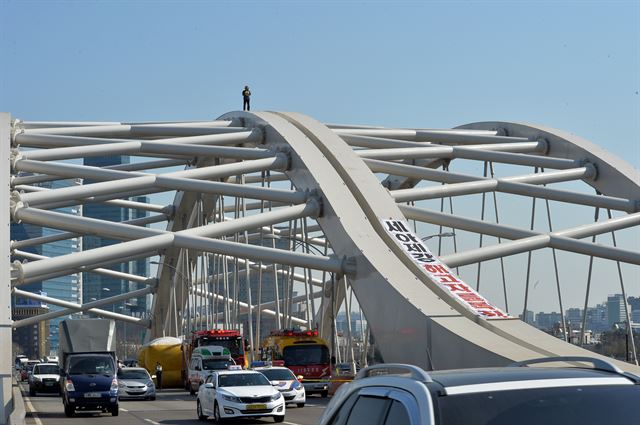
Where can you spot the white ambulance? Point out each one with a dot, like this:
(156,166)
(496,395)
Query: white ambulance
(204,361)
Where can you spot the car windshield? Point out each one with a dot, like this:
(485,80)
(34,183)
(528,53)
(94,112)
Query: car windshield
(133,374)
(307,354)
(211,364)
(46,369)
(91,365)
(278,374)
(588,405)
(242,380)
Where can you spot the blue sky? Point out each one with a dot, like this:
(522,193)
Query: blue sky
(569,65)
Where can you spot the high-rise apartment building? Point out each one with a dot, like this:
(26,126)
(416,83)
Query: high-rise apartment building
(96,286)
(615,309)
(66,288)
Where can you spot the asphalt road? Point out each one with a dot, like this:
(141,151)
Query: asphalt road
(172,407)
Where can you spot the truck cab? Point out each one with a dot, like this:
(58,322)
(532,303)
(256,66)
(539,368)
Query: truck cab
(204,361)
(88,379)
(90,383)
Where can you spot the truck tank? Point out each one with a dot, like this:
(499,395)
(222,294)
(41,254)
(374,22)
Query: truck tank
(167,351)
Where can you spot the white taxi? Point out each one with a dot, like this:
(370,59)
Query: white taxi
(239,394)
(286,382)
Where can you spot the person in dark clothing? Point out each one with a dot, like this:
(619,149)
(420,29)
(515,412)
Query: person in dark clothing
(159,375)
(246,97)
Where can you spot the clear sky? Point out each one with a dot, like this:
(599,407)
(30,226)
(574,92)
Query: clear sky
(569,65)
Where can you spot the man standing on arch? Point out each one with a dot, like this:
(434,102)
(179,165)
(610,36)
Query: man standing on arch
(246,97)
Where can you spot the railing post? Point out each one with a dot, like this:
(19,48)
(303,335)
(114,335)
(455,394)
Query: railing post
(6,398)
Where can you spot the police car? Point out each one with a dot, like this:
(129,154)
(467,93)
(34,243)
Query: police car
(283,380)
(393,394)
(238,393)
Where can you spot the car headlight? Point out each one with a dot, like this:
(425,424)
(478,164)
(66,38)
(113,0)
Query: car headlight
(69,385)
(276,396)
(36,379)
(232,398)
(114,384)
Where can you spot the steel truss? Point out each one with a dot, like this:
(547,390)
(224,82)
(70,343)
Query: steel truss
(275,216)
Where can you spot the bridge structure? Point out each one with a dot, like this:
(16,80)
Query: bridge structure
(276,215)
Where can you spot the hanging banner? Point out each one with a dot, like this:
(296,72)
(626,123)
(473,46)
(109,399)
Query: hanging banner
(439,272)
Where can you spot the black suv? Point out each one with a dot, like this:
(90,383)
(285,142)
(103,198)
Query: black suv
(397,394)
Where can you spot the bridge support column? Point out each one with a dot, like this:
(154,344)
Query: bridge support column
(6,397)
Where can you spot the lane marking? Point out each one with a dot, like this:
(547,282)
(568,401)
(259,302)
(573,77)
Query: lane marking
(153,422)
(32,410)
(124,410)
(290,423)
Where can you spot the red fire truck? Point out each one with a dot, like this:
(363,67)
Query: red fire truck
(230,339)
(304,353)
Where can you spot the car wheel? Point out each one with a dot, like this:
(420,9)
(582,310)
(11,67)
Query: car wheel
(115,411)
(300,404)
(216,414)
(69,410)
(152,398)
(278,418)
(324,394)
(201,416)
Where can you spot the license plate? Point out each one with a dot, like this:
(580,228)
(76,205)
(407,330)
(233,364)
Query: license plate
(256,407)
(92,395)
(48,384)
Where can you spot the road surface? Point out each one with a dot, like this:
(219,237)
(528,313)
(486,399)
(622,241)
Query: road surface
(172,407)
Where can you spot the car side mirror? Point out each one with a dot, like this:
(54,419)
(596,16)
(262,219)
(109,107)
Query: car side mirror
(300,377)
(209,385)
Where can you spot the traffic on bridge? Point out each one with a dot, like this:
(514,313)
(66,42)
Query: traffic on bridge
(251,266)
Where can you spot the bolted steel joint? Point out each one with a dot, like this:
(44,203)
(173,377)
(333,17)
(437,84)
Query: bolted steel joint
(314,197)
(592,169)
(17,273)
(15,156)
(16,204)
(16,129)
(349,265)
(545,146)
(285,154)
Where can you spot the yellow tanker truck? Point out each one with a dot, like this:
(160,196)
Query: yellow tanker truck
(167,351)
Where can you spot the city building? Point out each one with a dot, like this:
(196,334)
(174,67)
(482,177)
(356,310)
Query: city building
(96,286)
(529,317)
(66,288)
(548,321)
(615,310)
(573,317)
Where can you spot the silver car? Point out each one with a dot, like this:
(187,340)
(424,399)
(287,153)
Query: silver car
(522,394)
(135,383)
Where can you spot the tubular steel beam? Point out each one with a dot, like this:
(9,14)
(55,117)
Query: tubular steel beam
(133,130)
(72,308)
(88,268)
(527,240)
(141,148)
(61,141)
(453,152)
(69,235)
(154,240)
(141,183)
(104,272)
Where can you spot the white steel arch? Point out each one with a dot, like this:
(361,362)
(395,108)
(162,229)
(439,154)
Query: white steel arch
(283,195)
